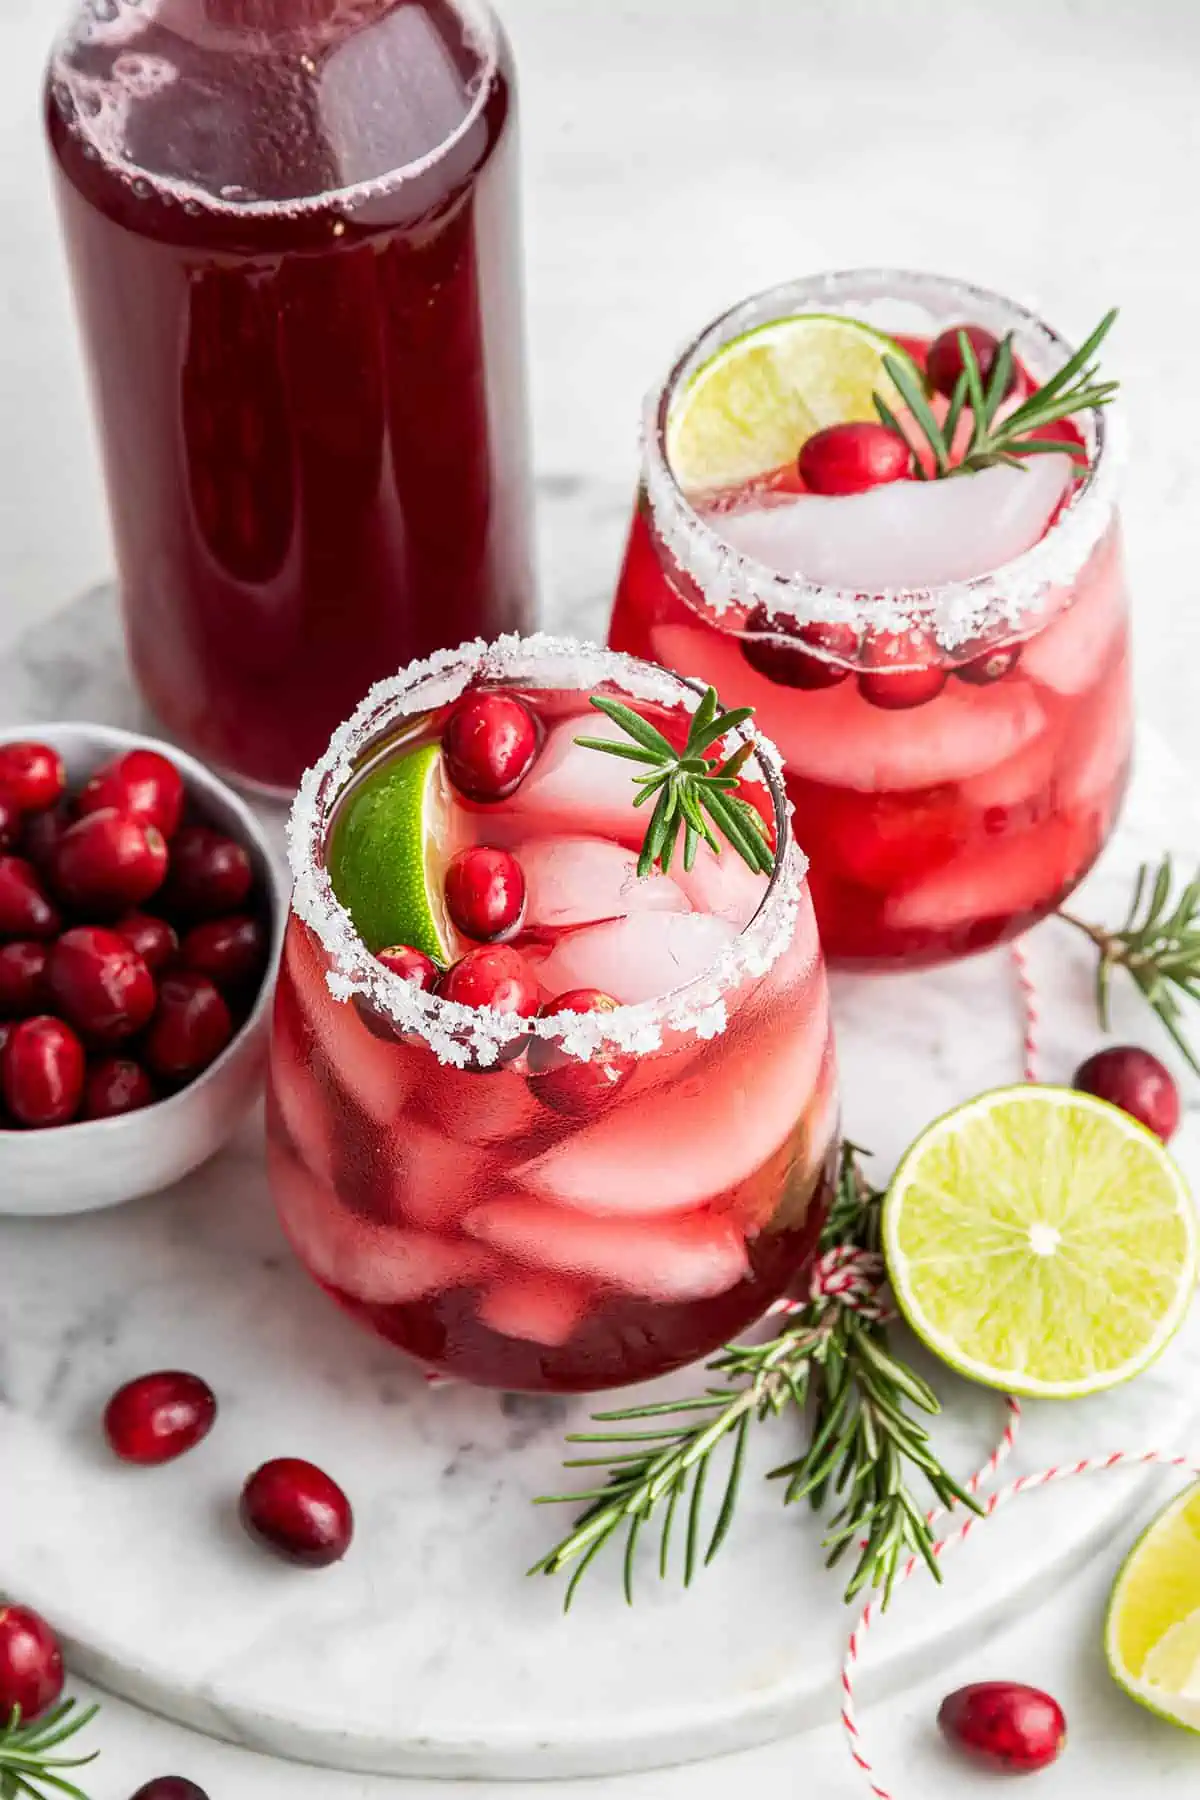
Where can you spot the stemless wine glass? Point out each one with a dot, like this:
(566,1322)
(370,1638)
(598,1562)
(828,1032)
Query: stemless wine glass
(574,1200)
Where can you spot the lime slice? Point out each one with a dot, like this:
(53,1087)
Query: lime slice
(751,406)
(392,838)
(1152,1632)
(1041,1241)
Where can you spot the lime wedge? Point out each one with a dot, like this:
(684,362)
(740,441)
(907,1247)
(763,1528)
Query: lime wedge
(1152,1632)
(392,839)
(751,406)
(1040,1241)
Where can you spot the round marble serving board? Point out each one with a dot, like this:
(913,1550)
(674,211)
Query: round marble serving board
(427,1651)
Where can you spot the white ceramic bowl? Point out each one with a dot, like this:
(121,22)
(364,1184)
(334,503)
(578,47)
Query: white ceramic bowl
(102,1162)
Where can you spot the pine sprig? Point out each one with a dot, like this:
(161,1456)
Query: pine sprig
(29,1769)
(692,792)
(832,1364)
(1158,945)
(1072,389)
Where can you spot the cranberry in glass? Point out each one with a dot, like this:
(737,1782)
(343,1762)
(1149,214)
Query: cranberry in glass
(851,458)
(26,910)
(485,892)
(231,952)
(190,1028)
(98,981)
(944,363)
(154,940)
(10,822)
(1135,1081)
(41,834)
(170,1787)
(31,775)
(410,965)
(115,1085)
(780,658)
(140,783)
(108,861)
(1004,1726)
(296,1510)
(210,874)
(992,665)
(897,672)
(22,968)
(564,1083)
(31,1664)
(158,1417)
(41,1072)
(489,744)
(493,975)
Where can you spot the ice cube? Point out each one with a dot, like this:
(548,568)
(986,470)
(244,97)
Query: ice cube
(375,1074)
(1007,876)
(1095,756)
(574,789)
(573,880)
(434,1179)
(539,1310)
(1073,650)
(723,885)
(676,1259)
(478,1106)
(304,1106)
(638,958)
(907,533)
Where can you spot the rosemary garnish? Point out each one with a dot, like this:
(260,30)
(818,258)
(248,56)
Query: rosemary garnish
(27,1765)
(832,1363)
(688,785)
(1072,389)
(1159,946)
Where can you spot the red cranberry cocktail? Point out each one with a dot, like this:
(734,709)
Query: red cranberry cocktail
(843,524)
(541,1119)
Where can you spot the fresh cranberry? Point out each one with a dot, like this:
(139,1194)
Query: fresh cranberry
(41,1071)
(1136,1082)
(31,1664)
(100,983)
(231,952)
(296,1510)
(10,822)
(107,861)
(489,745)
(114,1086)
(849,459)
(190,1028)
(1004,1725)
(210,874)
(26,910)
(170,1787)
(411,965)
(992,665)
(154,940)
(774,650)
(898,673)
(944,363)
(143,785)
(494,975)
(31,775)
(41,836)
(564,1083)
(22,969)
(158,1417)
(485,892)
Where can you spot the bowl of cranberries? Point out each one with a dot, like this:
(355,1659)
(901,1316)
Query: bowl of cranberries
(141,917)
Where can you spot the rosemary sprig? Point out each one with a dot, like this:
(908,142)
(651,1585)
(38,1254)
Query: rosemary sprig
(28,1768)
(1072,389)
(688,785)
(833,1364)
(1158,945)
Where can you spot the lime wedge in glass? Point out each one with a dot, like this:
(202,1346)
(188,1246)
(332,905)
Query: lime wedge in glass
(392,838)
(1152,1631)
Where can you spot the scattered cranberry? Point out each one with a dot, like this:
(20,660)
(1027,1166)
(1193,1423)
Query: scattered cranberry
(31,775)
(41,836)
(1136,1082)
(410,965)
(100,983)
(944,363)
(494,975)
(564,1083)
(485,892)
(141,784)
(158,1417)
(31,1664)
(1004,1725)
(108,861)
(296,1510)
(210,874)
(26,910)
(231,952)
(153,939)
(993,665)
(849,459)
(114,1086)
(489,745)
(22,968)
(190,1028)
(10,822)
(41,1071)
(898,673)
(775,652)
(170,1787)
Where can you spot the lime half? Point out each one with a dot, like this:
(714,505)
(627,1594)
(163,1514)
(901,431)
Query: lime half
(392,838)
(1042,1242)
(749,408)
(1152,1632)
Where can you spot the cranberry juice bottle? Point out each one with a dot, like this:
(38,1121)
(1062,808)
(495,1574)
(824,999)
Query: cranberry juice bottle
(293,232)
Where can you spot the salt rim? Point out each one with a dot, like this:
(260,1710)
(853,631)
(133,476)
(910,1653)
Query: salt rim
(465,1035)
(953,611)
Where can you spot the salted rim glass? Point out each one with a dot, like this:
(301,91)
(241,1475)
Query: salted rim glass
(908,302)
(476,1036)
